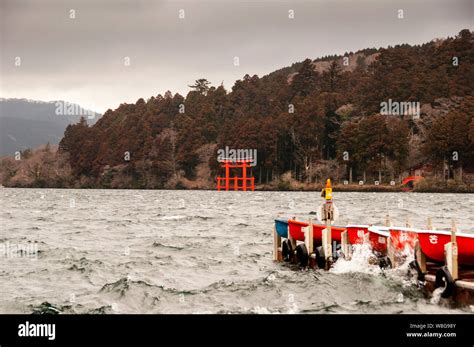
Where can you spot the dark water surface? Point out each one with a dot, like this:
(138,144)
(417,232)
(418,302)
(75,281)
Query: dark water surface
(135,251)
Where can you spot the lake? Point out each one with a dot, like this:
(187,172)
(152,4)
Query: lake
(163,251)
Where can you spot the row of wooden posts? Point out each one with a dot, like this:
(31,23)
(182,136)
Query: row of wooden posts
(308,241)
(451,248)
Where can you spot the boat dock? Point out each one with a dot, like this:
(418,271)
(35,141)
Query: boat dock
(442,260)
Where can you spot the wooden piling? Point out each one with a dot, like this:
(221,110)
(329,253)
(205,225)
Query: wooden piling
(291,239)
(429,224)
(453,230)
(276,244)
(327,247)
(366,238)
(309,243)
(408,223)
(345,245)
(391,253)
(308,237)
(390,248)
(451,253)
(420,256)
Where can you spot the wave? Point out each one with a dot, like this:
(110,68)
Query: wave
(106,309)
(159,244)
(323,308)
(125,284)
(74,267)
(48,308)
(203,217)
(182,217)
(178,217)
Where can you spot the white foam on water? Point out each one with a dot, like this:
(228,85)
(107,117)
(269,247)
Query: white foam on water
(363,260)
(360,262)
(436,297)
(400,272)
(203,312)
(400,298)
(261,310)
(293,309)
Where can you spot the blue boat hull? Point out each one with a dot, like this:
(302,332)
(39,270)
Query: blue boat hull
(281,226)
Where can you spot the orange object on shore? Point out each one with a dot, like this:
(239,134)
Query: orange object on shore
(410,180)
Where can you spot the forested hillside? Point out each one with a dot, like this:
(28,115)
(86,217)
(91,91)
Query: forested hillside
(315,119)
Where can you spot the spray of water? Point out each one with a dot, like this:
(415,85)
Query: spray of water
(436,296)
(399,273)
(362,261)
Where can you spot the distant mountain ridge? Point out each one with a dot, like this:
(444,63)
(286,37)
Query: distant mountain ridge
(29,123)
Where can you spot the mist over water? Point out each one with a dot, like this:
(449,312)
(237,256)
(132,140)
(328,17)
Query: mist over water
(157,251)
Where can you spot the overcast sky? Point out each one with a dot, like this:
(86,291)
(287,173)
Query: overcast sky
(83,60)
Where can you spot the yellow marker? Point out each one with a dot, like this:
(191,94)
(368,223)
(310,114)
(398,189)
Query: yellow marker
(328,190)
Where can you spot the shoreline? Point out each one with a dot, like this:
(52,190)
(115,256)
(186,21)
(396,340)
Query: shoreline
(376,189)
(313,189)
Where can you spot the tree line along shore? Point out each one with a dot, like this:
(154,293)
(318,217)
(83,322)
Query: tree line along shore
(329,117)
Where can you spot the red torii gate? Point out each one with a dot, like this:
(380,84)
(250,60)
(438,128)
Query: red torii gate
(236,164)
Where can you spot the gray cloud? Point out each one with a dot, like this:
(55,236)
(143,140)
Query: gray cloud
(81,60)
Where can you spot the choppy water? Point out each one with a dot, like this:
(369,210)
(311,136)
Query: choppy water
(131,251)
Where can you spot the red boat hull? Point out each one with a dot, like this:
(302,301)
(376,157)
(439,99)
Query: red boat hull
(356,233)
(295,231)
(432,245)
(431,242)
(335,232)
(294,228)
(378,239)
(403,239)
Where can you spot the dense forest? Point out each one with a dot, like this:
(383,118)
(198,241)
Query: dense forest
(316,119)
